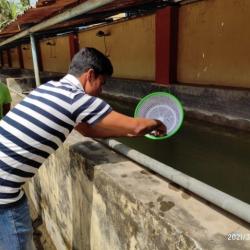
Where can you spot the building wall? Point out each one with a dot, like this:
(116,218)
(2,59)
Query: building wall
(214,43)
(27,56)
(130,46)
(55,54)
(14,58)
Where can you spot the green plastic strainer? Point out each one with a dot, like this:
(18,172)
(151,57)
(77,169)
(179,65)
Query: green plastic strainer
(164,107)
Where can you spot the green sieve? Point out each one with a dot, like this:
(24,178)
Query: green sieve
(164,107)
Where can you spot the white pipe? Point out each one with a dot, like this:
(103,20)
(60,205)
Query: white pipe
(66,15)
(35,60)
(213,195)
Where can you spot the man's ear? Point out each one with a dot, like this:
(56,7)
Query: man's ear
(90,75)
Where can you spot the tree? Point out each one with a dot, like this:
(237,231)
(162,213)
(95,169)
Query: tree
(9,10)
(25,2)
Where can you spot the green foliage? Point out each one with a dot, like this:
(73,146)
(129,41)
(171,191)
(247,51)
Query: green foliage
(9,10)
(25,2)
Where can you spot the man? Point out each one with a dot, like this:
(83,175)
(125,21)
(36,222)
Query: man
(39,124)
(5,100)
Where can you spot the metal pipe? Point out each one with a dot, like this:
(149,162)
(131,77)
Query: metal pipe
(35,60)
(213,195)
(66,15)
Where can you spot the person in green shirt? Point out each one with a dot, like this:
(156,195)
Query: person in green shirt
(5,100)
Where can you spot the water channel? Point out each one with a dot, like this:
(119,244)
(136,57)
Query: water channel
(215,155)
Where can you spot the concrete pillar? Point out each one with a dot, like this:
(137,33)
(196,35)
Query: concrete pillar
(9,58)
(1,58)
(39,55)
(73,44)
(20,56)
(166,45)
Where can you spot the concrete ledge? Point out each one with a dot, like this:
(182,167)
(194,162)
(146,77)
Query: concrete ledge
(23,81)
(224,106)
(92,198)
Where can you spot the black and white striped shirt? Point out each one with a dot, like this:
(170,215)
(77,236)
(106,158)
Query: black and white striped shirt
(37,126)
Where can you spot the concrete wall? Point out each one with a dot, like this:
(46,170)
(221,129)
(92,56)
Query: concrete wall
(14,58)
(214,43)
(92,198)
(130,46)
(55,54)
(27,56)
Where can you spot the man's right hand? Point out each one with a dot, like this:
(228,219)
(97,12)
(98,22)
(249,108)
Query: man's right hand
(160,130)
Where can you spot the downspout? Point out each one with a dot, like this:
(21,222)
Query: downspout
(35,59)
(213,195)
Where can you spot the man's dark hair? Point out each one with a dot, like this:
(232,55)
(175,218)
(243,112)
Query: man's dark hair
(90,58)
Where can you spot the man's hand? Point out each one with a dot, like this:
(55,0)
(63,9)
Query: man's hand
(160,130)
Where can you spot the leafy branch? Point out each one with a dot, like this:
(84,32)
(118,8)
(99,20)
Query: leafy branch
(9,10)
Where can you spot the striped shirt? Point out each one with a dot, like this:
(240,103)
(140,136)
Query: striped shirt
(37,126)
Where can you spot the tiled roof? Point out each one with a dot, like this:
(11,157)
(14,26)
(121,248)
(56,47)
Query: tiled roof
(48,8)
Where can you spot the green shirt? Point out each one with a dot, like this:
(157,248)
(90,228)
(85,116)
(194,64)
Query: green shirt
(5,97)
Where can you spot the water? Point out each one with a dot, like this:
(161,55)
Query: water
(212,154)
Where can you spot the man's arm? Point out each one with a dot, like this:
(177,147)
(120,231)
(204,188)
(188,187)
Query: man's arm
(6,108)
(116,125)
